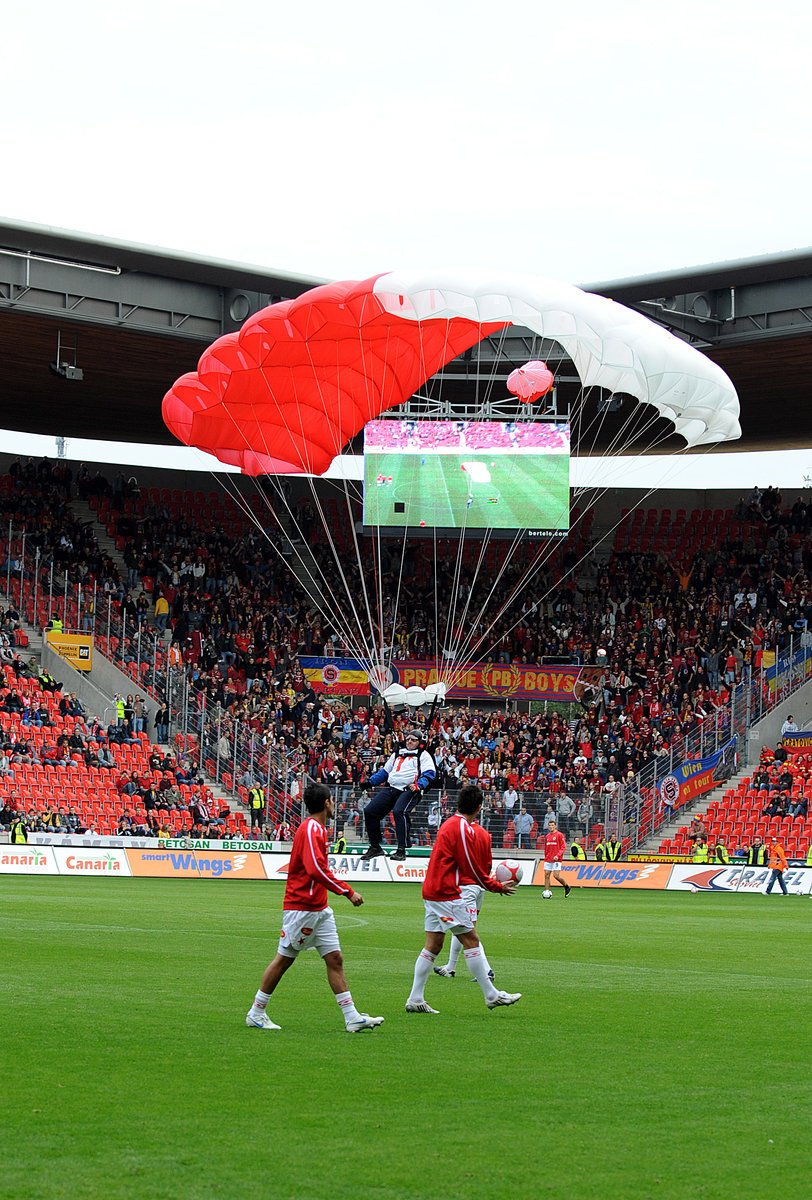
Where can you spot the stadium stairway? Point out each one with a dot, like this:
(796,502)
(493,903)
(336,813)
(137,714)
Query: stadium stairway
(32,632)
(84,513)
(698,809)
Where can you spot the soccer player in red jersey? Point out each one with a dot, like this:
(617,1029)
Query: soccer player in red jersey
(308,923)
(555,847)
(462,848)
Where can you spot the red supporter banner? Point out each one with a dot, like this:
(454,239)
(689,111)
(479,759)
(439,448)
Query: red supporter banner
(484,681)
(499,681)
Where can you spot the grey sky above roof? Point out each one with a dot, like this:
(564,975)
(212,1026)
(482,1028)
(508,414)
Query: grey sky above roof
(581,142)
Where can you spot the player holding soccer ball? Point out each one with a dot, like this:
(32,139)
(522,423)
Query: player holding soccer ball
(555,847)
(462,850)
(308,923)
(506,872)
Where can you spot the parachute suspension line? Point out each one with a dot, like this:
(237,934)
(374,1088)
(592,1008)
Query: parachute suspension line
(318,601)
(368,645)
(574,566)
(540,562)
(455,620)
(241,503)
(396,599)
(378,631)
(464,641)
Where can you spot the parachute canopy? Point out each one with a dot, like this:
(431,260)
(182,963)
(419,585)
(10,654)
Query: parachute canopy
(301,378)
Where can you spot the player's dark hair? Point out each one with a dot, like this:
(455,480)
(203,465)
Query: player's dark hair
(315,797)
(470,799)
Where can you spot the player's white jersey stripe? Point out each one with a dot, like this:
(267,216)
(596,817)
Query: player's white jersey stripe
(475,871)
(326,878)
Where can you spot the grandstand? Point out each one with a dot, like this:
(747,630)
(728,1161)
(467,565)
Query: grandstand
(228,660)
(697,606)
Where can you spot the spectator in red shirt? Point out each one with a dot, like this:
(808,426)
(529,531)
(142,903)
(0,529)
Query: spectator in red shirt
(308,923)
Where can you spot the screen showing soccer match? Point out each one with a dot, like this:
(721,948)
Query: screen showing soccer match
(484,475)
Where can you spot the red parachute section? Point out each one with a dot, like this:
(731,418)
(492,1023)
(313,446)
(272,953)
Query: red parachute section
(301,378)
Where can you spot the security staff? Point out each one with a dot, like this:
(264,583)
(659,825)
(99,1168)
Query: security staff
(614,849)
(720,853)
(809,856)
(577,851)
(339,846)
(256,803)
(700,854)
(600,850)
(47,682)
(120,710)
(18,831)
(757,854)
(55,624)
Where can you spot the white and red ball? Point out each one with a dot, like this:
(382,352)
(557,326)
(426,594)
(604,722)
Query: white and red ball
(509,871)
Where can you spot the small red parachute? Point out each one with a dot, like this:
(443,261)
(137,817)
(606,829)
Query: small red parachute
(301,378)
(531,382)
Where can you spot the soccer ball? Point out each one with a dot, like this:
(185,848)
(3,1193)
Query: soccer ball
(546,894)
(509,871)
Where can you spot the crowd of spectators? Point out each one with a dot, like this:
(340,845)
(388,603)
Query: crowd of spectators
(675,637)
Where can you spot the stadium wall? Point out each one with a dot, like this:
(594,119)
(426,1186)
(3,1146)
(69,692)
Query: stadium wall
(767,731)
(96,688)
(225,861)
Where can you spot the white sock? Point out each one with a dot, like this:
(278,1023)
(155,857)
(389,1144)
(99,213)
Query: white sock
(348,1009)
(422,970)
(260,1001)
(454,952)
(484,955)
(478,966)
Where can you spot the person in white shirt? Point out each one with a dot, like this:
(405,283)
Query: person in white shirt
(789,726)
(405,776)
(510,798)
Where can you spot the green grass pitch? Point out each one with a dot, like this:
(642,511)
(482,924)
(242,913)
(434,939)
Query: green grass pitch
(531,492)
(662,1049)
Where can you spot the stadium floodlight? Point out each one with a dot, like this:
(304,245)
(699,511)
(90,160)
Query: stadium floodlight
(62,367)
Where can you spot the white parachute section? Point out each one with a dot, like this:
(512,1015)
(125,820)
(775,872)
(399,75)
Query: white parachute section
(611,346)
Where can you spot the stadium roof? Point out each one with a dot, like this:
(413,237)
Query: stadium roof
(130,319)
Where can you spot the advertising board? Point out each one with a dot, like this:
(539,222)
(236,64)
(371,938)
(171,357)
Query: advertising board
(185,864)
(27,860)
(75,860)
(612,876)
(737,879)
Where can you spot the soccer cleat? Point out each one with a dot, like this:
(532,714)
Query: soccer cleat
(373,852)
(503,999)
(365,1021)
(444,971)
(262,1021)
(420,1007)
(567,891)
(399,856)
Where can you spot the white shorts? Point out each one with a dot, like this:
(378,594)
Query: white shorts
(303,930)
(552,866)
(472,897)
(449,916)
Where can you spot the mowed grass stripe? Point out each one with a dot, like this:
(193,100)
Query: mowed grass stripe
(661,1048)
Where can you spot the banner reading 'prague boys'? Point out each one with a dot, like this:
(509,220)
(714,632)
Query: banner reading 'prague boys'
(484,681)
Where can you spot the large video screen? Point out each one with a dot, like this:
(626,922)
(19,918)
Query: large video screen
(507,475)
